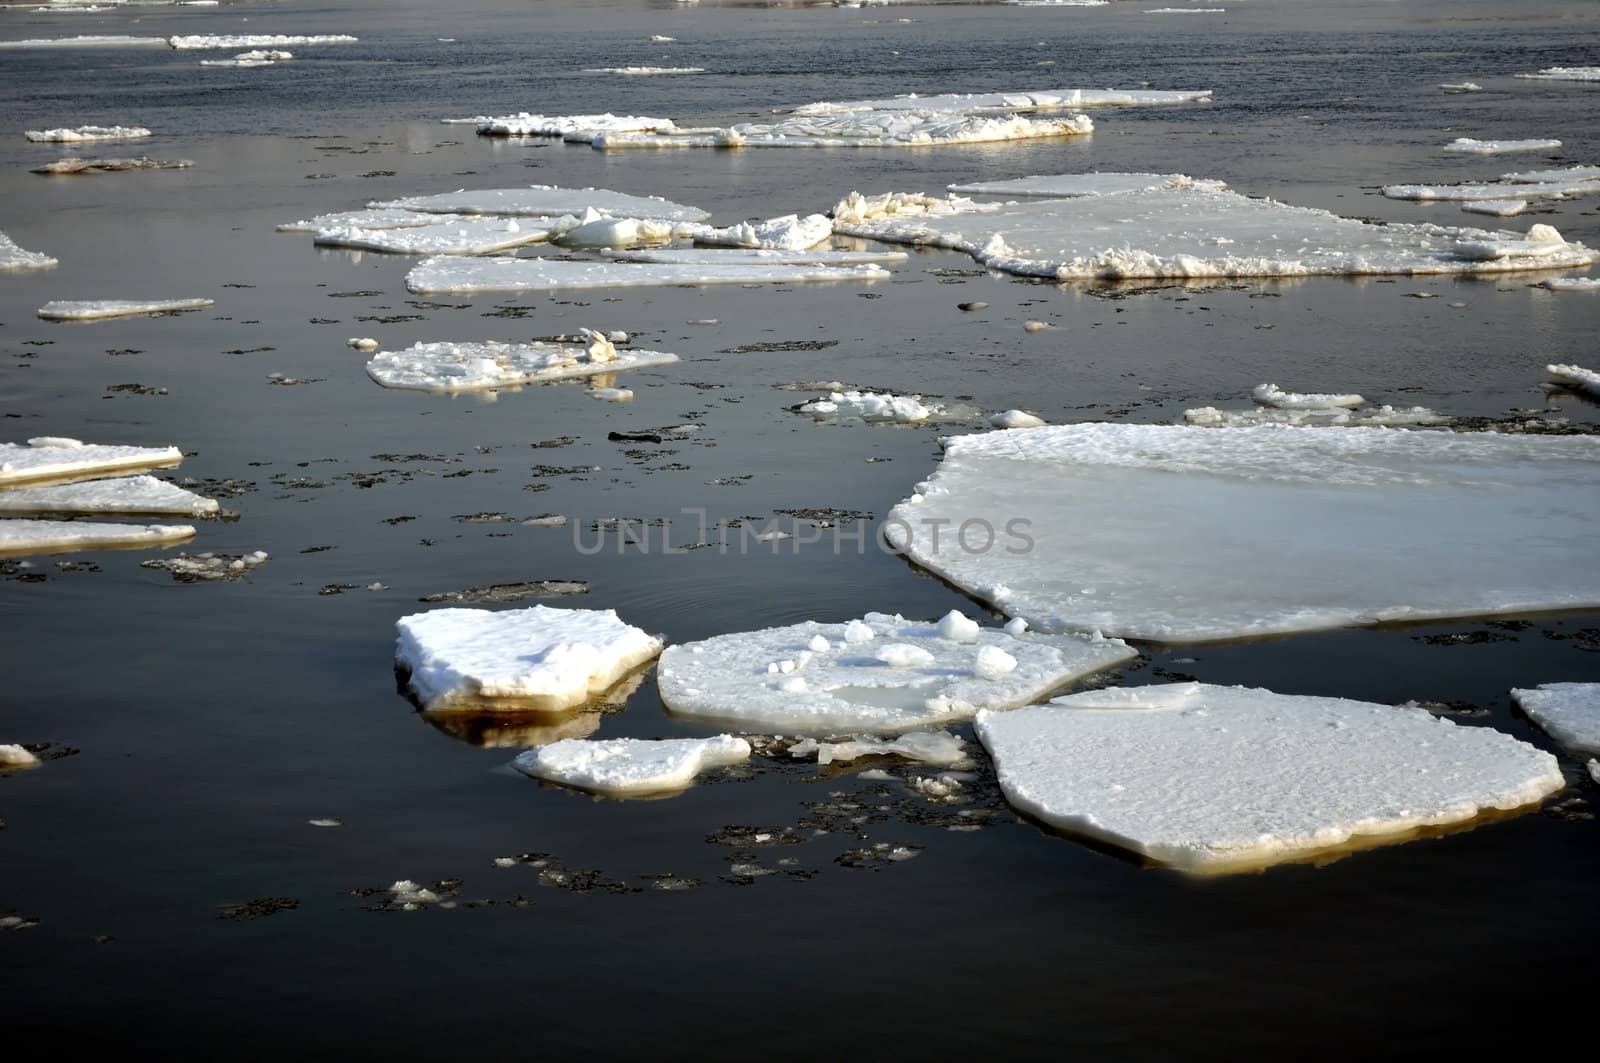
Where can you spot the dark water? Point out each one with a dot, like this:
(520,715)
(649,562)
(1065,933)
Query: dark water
(213,721)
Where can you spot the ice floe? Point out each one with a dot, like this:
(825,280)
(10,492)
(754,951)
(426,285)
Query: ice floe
(788,233)
(47,458)
(451,367)
(1010,102)
(1272,395)
(581,128)
(129,494)
(1069,185)
(258,57)
(1535,184)
(1265,530)
(456,236)
(203,41)
(1462,86)
(623,767)
(830,678)
(1184,10)
(1565,73)
(1573,284)
(644,71)
(1384,416)
(870,129)
(927,747)
(537,657)
(41,536)
(1498,147)
(1016,419)
(1576,377)
(546,201)
(689,256)
(1195,231)
(1210,778)
(1499,208)
(1569,712)
(98,309)
(87,132)
(90,40)
(458,275)
(209,567)
(363,219)
(14,756)
(73,166)
(14,257)
(874,406)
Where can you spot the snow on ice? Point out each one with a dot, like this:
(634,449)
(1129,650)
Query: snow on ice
(623,767)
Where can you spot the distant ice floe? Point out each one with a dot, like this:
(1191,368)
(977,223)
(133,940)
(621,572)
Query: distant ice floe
(787,233)
(1498,147)
(57,458)
(209,567)
(46,536)
(871,406)
(1214,779)
(1275,530)
(880,674)
(1568,712)
(926,747)
(1576,377)
(129,494)
(362,219)
(689,256)
(546,201)
(1532,184)
(452,236)
(1193,231)
(535,658)
(14,756)
(87,132)
(1462,86)
(455,367)
(74,166)
(630,767)
(1499,208)
(461,276)
(644,71)
(1070,185)
(1565,73)
(258,57)
(1272,395)
(202,41)
(579,128)
(1573,284)
(90,40)
(886,129)
(14,257)
(1010,102)
(1184,10)
(99,309)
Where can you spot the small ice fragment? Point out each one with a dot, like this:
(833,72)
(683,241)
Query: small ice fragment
(363,343)
(1016,419)
(1036,326)
(14,756)
(88,132)
(1016,626)
(631,766)
(818,644)
(325,822)
(958,627)
(1575,377)
(612,394)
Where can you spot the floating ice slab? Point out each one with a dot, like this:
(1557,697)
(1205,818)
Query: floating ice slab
(1576,377)
(209,567)
(1180,534)
(1069,185)
(927,747)
(547,201)
(13,756)
(517,658)
(1462,86)
(1499,208)
(1198,231)
(873,406)
(644,71)
(831,678)
(1316,417)
(98,309)
(87,132)
(788,233)
(1209,778)
(258,57)
(202,41)
(1011,102)
(1554,188)
(130,494)
(622,767)
(1498,147)
(1272,395)
(1573,284)
(47,458)
(45,536)
(1570,712)
(685,256)
(583,127)
(452,367)
(458,236)
(456,275)
(1564,173)
(868,129)
(73,166)
(1565,73)
(90,40)
(14,257)
(362,219)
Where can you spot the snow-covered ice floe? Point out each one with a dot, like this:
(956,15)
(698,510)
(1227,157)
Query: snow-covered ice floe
(458,275)
(1070,185)
(690,256)
(87,132)
(926,747)
(1010,102)
(581,128)
(451,367)
(1569,712)
(1499,208)
(1194,231)
(546,201)
(1265,530)
(869,129)
(1470,146)
(1565,73)
(881,674)
(1573,284)
(535,658)
(203,41)
(1575,377)
(46,536)
(455,236)
(56,458)
(383,218)
(1211,779)
(631,767)
(128,494)
(787,233)
(874,406)
(14,257)
(98,309)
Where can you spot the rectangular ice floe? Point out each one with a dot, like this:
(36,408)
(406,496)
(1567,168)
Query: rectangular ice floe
(1210,778)
(14,257)
(48,536)
(48,458)
(1011,102)
(1195,231)
(98,309)
(540,658)
(644,71)
(457,275)
(882,674)
(623,767)
(1069,185)
(129,494)
(1470,146)
(1570,712)
(580,127)
(546,201)
(689,256)
(450,367)
(456,236)
(1185,534)
(87,132)
(865,129)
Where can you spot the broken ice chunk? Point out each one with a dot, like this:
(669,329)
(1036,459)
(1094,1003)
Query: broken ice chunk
(958,627)
(572,127)
(56,458)
(538,657)
(209,567)
(788,233)
(600,230)
(1012,102)
(1570,712)
(873,406)
(1272,395)
(1231,777)
(631,767)
(912,128)
(87,132)
(14,257)
(13,756)
(362,219)
(50,536)
(97,309)
(130,494)
(1575,377)
(546,201)
(445,275)
(902,655)
(927,747)
(1016,419)
(71,166)
(452,367)
(993,663)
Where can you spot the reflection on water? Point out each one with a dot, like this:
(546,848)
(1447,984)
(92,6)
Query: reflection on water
(520,722)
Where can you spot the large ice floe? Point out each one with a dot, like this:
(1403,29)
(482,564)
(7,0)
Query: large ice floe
(128,494)
(1569,712)
(1529,184)
(883,674)
(14,257)
(99,309)
(454,236)
(1565,73)
(458,275)
(1210,778)
(1470,146)
(451,367)
(535,658)
(87,133)
(1575,378)
(43,536)
(867,129)
(1193,230)
(631,767)
(546,201)
(1187,534)
(45,459)
(580,128)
